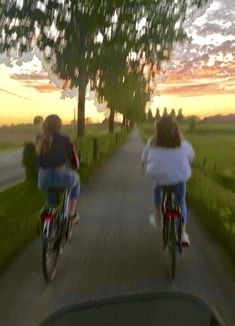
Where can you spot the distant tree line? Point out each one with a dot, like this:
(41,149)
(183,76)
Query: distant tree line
(179,116)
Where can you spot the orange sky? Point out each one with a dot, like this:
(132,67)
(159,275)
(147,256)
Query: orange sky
(24,96)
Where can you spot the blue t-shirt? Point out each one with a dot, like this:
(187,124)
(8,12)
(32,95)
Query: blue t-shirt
(60,153)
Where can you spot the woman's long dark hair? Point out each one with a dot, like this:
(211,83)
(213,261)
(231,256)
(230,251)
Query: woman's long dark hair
(167,133)
(51,125)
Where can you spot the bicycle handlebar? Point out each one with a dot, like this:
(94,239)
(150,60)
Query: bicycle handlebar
(164,308)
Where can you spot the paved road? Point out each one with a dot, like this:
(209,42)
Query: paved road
(11,169)
(115,252)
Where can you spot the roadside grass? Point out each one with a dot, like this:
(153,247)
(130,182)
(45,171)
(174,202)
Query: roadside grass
(211,190)
(18,217)
(20,205)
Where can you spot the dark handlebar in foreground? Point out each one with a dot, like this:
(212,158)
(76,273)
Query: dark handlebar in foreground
(163,309)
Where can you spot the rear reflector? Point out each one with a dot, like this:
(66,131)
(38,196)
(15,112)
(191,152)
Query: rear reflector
(170,215)
(46,217)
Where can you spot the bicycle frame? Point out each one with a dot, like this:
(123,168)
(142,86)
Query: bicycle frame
(48,217)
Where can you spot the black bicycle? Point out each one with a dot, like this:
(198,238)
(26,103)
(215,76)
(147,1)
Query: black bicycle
(172,227)
(56,230)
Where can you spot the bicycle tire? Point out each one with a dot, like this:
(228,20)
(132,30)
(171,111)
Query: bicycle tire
(172,243)
(50,243)
(179,233)
(165,232)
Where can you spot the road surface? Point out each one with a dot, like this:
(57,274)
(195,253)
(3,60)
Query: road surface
(115,252)
(11,169)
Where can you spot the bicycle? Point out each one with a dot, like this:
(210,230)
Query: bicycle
(172,227)
(56,231)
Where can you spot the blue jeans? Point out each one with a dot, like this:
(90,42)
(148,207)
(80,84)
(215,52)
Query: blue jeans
(180,193)
(49,180)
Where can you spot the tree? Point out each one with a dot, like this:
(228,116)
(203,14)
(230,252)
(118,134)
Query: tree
(172,114)
(65,33)
(123,90)
(38,120)
(165,114)
(192,124)
(150,115)
(73,35)
(158,115)
(180,116)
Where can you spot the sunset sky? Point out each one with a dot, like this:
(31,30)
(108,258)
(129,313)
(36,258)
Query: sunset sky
(200,77)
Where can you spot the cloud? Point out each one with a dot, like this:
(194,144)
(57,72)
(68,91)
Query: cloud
(203,64)
(200,89)
(43,88)
(30,76)
(37,81)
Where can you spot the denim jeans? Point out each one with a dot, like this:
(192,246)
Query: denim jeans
(180,193)
(49,180)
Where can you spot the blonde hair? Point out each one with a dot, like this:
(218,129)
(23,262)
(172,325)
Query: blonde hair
(51,125)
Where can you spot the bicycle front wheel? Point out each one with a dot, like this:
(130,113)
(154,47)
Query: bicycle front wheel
(172,244)
(50,253)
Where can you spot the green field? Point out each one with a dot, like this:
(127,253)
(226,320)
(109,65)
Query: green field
(211,190)
(16,136)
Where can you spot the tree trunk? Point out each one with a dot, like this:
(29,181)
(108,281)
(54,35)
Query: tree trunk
(125,121)
(83,80)
(111,120)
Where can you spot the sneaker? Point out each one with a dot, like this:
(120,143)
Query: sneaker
(153,221)
(185,239)
(75,219)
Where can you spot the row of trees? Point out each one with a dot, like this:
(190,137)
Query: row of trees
(179,116)
(108,44)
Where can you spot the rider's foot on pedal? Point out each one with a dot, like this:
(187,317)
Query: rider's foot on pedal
(185,239)
(153,221)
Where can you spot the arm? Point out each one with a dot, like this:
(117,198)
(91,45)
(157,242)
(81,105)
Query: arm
(72,154)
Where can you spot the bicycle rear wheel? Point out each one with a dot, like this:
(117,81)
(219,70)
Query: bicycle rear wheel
(50,253)
(172,245)
(165,232)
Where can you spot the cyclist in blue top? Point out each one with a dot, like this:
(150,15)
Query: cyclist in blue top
(167,159)
(55,155)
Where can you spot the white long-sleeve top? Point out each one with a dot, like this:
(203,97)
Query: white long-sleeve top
(168,166)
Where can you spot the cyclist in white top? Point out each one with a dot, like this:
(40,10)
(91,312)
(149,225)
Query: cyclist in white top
(167,159)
